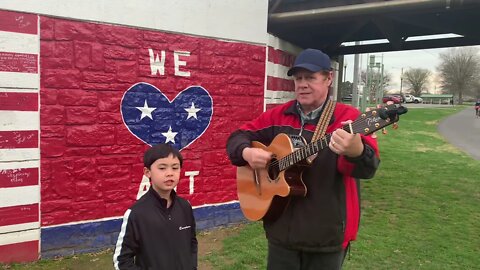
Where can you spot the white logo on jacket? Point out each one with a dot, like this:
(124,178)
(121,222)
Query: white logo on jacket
(183,228)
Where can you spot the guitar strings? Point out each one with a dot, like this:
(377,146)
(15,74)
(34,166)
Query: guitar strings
(326,138)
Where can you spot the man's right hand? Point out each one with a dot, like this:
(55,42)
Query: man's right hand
(257,158)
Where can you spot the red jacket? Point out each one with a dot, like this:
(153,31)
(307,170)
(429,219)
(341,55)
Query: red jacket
(327,219)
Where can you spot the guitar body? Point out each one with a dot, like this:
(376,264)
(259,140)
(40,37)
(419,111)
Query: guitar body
(264,194)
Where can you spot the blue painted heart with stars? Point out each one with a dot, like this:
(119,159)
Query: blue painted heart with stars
(154,119)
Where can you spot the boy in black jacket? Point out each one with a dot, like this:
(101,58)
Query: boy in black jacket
(158,231)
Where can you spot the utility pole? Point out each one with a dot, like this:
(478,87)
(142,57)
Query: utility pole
(401,81)
(356,63)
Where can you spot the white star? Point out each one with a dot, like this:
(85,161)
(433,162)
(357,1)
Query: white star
(146,111)
(170,135)
(192,111)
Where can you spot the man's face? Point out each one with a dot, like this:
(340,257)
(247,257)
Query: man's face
(311,89)
(164,173)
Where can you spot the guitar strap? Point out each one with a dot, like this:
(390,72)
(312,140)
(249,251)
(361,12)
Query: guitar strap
(322,125)
(324,120)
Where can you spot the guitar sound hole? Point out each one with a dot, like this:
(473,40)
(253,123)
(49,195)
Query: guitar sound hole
(273,170)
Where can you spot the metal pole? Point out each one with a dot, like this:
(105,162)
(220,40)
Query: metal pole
(401,81)
(356,62)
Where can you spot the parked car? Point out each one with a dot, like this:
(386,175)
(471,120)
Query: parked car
(400,97)
(395,99)
(412,99)
(417,100)
(408,98)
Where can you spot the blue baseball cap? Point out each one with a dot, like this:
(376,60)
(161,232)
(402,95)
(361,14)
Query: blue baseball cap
(311,59)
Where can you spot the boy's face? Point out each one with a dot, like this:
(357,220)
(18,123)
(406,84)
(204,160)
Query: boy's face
(164,174)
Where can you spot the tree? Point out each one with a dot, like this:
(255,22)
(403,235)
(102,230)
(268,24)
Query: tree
(417,79)
(376,81)
(345,88)
(459,69)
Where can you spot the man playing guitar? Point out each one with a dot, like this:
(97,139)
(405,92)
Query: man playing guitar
(313,231)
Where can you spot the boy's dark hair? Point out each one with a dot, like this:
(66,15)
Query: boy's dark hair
(160,151)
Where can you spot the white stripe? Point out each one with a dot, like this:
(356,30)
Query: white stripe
(19,90)
(19,80)
(215,204)
(20,237)
(19,227)
(16,196)
(284,95)
(83,222)
(19,165)
(19,154)
(283,45)
(19,120)
(18,42)
(118,247)
(276,101)
(276,70)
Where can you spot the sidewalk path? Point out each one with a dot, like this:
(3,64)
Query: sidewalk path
(463,131)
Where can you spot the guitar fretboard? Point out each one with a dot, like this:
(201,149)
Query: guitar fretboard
(303,153)
(368,123)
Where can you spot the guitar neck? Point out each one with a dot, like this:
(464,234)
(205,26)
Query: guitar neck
(302,153)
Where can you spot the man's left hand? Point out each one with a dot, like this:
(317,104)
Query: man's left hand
(345,143)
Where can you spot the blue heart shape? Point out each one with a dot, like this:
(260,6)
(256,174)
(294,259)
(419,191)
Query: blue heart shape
(154,119)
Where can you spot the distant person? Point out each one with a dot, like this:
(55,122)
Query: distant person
(158,231)
(477,108)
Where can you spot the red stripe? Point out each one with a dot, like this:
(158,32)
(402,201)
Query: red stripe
(18,139)
(353,210)
(18,22)
(280,57)
(18,177)
(280,84)
(18,62)
(11,101)
(18,214)
(19,252)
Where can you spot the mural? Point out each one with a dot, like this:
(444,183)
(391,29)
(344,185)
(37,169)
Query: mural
(79,104)
(106,93)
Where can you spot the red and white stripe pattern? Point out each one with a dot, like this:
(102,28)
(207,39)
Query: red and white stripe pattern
(19,137)
(279,86)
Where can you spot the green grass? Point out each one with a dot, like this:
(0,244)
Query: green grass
(92,261)
(421,211)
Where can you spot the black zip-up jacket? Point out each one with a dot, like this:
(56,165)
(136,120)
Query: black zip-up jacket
(327,219)
(154,237)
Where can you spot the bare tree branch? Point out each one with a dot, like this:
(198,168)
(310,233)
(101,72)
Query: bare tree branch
(416,79)
(459,71)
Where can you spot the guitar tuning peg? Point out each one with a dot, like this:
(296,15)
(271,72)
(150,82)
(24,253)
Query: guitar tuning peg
(395,125)
(374,135)
(384,131)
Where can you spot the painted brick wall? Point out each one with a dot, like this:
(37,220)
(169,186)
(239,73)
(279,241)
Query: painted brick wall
(91,164)
(90,153)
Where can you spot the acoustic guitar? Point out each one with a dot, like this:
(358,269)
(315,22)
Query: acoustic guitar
(264,193)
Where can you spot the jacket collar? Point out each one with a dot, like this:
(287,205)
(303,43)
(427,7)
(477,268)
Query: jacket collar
(162,201)
(294,109)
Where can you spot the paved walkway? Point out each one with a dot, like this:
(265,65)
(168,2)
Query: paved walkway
(463,131)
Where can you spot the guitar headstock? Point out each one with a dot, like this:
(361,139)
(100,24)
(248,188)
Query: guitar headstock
(376,119)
